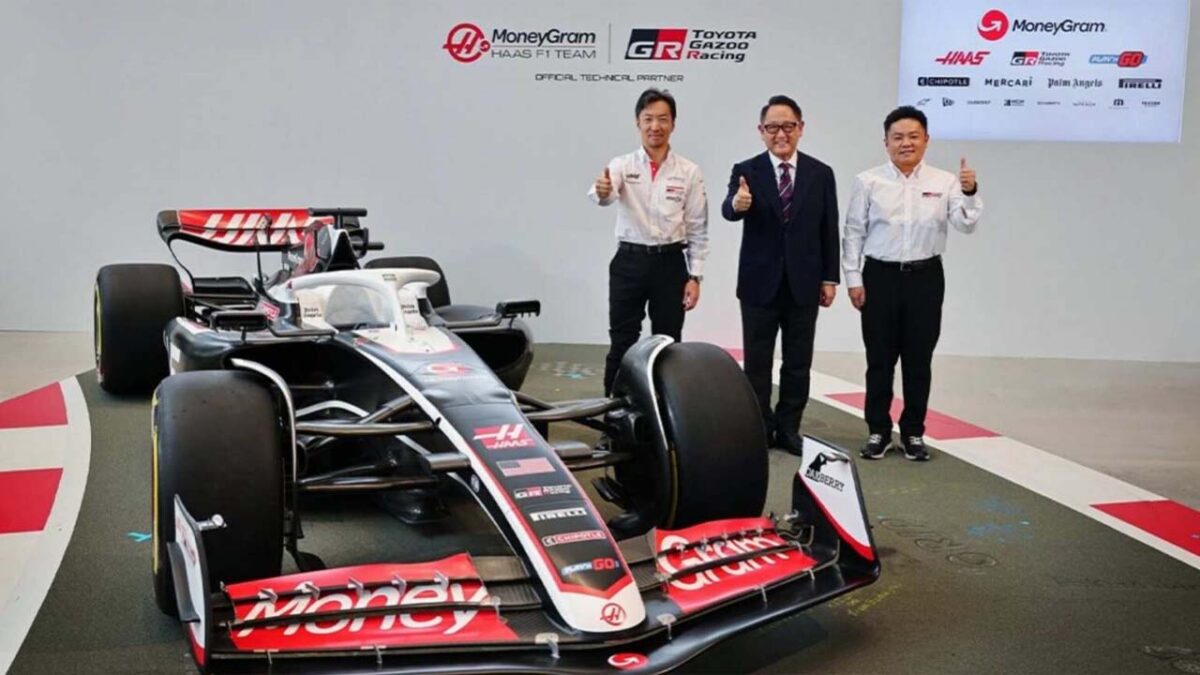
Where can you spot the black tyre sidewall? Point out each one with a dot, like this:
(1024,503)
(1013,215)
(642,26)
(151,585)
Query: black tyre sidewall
(718,448)
(219,445)
(134,305)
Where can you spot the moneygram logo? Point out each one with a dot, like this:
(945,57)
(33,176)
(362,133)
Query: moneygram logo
(993,25)
(465,43)
(683,44)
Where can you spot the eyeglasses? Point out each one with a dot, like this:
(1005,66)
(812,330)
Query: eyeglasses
(786,127)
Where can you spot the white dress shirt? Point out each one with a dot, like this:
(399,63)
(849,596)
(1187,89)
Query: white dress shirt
(777,163)
(898,218)
(671,207)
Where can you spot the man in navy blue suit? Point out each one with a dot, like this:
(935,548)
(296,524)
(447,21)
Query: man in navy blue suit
(788,267)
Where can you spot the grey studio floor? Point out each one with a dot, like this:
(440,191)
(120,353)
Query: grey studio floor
(1136,421)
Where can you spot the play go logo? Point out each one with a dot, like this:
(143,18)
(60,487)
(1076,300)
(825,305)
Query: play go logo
(993,25)
(504,437)
(465,43)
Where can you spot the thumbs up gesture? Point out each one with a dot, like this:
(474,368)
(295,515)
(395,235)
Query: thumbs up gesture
(604,185)
(966,175)
(742,200)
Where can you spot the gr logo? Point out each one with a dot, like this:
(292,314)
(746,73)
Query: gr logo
(656,44)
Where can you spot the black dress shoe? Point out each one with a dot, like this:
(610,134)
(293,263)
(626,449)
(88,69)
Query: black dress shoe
(793,443)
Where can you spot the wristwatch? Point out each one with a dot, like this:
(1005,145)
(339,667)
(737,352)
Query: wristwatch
(695,277)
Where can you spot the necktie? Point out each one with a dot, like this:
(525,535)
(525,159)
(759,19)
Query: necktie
(785,190)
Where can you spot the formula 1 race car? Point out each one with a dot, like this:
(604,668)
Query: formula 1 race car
(331,377)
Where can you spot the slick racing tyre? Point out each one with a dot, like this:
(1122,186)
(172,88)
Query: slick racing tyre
(716,449)
(218,443)
(133,303)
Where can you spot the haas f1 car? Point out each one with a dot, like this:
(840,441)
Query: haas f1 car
(330,376)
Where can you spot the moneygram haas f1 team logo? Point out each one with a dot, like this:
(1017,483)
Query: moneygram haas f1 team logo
(465,43)
(656,44)
(993,25)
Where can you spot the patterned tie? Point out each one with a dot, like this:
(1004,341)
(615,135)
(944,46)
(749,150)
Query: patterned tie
(785,190)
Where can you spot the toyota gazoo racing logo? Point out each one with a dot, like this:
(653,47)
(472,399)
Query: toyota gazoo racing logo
(960,58)
(676,44)
(465,43)
(627,660)
(1039,58)
(504,437)
(994,24)
(613,614)
(542,491)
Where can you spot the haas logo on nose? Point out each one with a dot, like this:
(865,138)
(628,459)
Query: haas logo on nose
(993,25)
(613,614)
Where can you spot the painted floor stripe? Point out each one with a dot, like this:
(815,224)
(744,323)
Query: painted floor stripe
(26,498)
(29,561)
(937,425)
(1072,485)
(39,408)
(1165,519)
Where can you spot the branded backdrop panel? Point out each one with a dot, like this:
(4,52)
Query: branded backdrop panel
(1065,70)
(113,111)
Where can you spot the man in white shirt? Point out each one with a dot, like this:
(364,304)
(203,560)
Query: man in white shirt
(662,232)
(896,225)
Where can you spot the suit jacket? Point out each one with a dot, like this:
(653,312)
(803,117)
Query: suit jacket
(806,246)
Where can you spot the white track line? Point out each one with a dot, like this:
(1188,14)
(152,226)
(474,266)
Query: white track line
(29,561)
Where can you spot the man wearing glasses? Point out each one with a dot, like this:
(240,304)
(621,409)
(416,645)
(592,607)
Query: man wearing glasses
(788,266)
(662,232)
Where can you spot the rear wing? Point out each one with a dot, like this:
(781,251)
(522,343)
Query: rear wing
(243,229)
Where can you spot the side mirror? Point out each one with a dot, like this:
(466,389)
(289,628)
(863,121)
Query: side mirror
(510,309)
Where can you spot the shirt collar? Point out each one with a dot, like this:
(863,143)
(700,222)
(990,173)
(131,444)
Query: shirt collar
(775,161)
(896,172)
(643,157)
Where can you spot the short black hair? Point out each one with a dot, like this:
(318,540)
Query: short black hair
(905,112)
(653,95)
(780,99)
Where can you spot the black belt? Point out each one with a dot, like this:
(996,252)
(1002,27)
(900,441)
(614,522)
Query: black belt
(642,248)
(907,265)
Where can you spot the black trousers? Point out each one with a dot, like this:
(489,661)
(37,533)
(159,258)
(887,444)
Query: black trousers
(902,319)
(636,280)
(798,324)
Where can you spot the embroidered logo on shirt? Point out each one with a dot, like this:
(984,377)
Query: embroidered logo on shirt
(932,195)
(632,177)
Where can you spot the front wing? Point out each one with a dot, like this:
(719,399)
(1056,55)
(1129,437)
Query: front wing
(464,614)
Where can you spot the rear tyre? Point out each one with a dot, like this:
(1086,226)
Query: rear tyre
(218,444)
(132,306)
(716,449)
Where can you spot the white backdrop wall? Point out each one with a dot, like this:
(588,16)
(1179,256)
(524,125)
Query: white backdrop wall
(112,111)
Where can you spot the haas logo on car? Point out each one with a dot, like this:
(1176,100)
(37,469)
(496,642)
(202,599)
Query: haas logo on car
(613,614)
(504,437)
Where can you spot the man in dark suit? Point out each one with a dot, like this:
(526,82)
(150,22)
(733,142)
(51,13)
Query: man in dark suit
(788,264)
